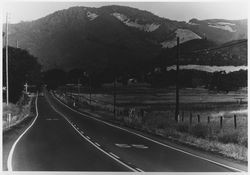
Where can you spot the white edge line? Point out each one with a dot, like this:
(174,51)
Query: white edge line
(114,155)
(139,169)
(10,156)
(97,144)
(177,149)
(132,169)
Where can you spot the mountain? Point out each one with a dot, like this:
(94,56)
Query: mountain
(112,37)
(220,30)
(205,52)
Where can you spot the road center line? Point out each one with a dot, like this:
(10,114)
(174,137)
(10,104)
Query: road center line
(114,155)
(122,145)
(140,146)
(10,156)
(97,144)
(139,169)
(114,158)
(147,138)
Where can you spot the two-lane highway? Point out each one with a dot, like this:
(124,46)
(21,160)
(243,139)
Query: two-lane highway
(65,140)
(145,154)
(51,144)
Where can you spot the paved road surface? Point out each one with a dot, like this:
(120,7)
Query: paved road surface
(53,144)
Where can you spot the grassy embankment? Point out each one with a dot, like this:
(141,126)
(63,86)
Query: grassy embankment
(17,112)
(158,118)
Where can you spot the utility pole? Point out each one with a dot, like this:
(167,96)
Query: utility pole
(114,93)
(90,93)
(78,88)
(177,81)
(7,64)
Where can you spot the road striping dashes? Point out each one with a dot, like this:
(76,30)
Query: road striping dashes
(97,144)
(122,145)
(139,146)
(105,152)
(139,169)
(114,155)
(147,138)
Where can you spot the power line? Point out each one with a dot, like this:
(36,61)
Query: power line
(216,48)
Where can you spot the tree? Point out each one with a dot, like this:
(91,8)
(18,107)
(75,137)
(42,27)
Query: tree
(23,68)
(54,78)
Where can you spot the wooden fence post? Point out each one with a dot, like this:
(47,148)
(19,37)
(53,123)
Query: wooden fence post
(235,122)
(199,119)
(182,119)
(208,120)
(221,122)
(190,118)
(9,119)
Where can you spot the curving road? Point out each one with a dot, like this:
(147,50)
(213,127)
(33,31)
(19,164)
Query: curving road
(62,139)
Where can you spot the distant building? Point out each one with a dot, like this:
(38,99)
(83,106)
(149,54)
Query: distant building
(132,81)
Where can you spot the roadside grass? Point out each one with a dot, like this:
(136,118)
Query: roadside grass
(17,112)
(210,136)
(227,141)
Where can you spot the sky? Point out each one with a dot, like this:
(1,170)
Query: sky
(181,11)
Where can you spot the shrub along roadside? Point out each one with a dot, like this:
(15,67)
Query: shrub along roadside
(199,135)
(18,111)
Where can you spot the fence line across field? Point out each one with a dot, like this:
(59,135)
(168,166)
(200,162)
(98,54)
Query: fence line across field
(137,113)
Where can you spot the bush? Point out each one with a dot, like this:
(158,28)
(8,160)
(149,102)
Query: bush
(229,138)
(183,128)
(160,126)
(200,130)
(244,141)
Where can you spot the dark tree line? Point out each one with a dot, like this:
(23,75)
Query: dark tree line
(218,81)
(226,82)
(23,68)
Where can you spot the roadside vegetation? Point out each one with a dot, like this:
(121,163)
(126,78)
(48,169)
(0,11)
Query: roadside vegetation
(13,114)
(23,68)
(226,140)
(204,133)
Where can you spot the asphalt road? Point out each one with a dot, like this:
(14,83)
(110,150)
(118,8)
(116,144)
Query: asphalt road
(64,140)
(51,144)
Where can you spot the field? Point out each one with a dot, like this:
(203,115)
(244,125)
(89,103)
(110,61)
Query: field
(209,120)
(193,100)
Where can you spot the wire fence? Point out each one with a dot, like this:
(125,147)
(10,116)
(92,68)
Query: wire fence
(139,115)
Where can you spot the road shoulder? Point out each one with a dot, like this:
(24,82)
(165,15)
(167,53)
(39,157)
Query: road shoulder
(214,157)
(11,135)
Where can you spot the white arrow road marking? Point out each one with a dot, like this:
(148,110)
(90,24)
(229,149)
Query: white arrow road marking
(140,146)
(123,145)
(92,143)
(52,119)
(147,138)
